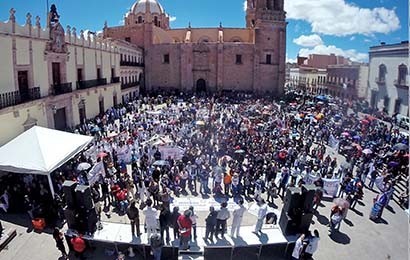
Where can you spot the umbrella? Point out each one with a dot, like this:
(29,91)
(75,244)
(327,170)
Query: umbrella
(83,166)
(161,163)
(345,134)
(102,154)
(367,151)
(341,203)
(322,98)
(365,122)
(240,151)
(346,165)
(358,147)
(400,147)
(356,137)
(393,164)
(337,116)
(200,123)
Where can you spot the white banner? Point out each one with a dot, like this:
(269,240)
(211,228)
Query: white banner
(174,152)
(96,171)
(330,187)
(333,142)
(310,179)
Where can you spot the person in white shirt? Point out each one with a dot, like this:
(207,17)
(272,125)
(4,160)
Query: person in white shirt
(297,251)
(151,218)
(237,218)
(263,209)
(313,245)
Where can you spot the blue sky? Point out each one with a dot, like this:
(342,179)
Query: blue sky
(343,27)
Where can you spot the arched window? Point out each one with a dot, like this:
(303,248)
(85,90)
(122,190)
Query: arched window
(139,19)
(402,73)
(382,73)
(156,21)
(269,4)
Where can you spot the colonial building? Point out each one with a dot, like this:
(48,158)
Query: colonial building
(347,81)
(54,77)
(310,80)
(389,78)
(209,59)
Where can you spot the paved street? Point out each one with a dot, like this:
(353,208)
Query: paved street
(359,237)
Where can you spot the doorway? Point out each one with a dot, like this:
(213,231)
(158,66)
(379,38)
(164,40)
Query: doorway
(56,73)
(200,86)
(60,120)
(23,85)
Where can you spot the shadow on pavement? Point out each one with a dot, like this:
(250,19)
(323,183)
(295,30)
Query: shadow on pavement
(322,219)
(357,212)
(340,238)
(348,222)
(389,208)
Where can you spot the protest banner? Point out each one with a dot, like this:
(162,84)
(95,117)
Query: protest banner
(96,171)
(330,187)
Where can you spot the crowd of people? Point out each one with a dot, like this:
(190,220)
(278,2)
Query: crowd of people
(239,147)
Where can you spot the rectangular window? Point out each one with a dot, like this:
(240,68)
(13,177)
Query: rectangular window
(98,73)
(268,59)
(127,39)
(79,74)
(238,59)
(166,58)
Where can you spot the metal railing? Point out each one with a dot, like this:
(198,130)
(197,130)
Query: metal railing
(61,88)
(129,85)
(400,83)
(85,84)
(131,63)
(379,80)
(115,79)
(15,97)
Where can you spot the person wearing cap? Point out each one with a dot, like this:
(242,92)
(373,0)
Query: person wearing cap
(185,225)
(237,218)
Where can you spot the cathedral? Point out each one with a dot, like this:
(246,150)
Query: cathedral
(250,59)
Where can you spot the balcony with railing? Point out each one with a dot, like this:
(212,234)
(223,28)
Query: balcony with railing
(85,84)
(380,81)
(129,85)
(401,83)
(131,63)
(15,97)
(61,89)
(115,79)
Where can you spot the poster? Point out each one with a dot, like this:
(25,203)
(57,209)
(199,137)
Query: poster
(330,187)
(175,152)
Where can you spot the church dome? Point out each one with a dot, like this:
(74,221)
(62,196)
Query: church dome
(142,5)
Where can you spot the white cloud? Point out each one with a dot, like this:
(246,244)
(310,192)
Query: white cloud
(121,22)
(337,17)
(352,54)
(289,60)
(308,40)
(352,38)
(172,18)
(245,6)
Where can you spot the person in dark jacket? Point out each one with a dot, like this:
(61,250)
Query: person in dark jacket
(59,238)
(210,222)
(174,217)
(133,215)
(164,222)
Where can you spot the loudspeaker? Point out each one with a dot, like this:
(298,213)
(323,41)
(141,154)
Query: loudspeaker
(69,215)
(246,252)
(292,201)
(273,251)
(305,222)
(69,193)
(83,197)
(308,193)
(91,219)
(287,224)
(218,252)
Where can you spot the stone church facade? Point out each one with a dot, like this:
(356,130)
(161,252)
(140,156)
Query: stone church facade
(250,59)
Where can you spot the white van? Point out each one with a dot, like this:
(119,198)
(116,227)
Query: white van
(403,121)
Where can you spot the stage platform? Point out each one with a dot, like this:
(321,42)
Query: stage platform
(118,234)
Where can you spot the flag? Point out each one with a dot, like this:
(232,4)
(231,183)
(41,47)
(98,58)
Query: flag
(333,142)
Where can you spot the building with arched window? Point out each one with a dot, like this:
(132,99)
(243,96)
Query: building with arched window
(389,78)
(250,59)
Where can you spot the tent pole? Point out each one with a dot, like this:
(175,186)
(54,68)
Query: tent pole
(50,182)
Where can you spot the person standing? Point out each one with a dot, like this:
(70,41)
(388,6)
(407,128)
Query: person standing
(156,243)
(237,218)
(210,222)
(185,225)
(221,218)
(174,217)
(297,251)
(164,222)
(194,218)
(313,245)
(133,215)
(263,209)
(150,218)
(59,238)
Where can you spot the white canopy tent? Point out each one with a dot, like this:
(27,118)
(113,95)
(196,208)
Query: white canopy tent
(40,151)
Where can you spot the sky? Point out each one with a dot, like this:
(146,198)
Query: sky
(343,27)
